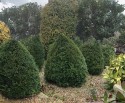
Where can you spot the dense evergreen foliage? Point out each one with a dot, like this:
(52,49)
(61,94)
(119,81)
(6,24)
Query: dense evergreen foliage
(65,65)
(18,71)
(36,49)
(108,54)
(58,16)
(99,18)
(92,52)
(77,41)
(121,40)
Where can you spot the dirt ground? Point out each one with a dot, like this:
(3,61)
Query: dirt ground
(54,94)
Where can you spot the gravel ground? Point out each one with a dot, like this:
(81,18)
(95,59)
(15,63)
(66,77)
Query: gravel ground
(78,95)
(54,94)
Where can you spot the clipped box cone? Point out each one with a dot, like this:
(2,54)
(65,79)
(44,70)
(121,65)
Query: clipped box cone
(18,71)
(65,64)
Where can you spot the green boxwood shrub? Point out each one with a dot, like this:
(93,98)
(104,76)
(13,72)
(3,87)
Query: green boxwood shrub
(36,49)
(18,71)
(77,41)
(92,52)
(108,53)
(65,64)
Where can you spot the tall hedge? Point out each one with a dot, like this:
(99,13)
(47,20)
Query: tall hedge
(58,15)
(65,64)
(19,73)
(36,49)
(108,53)
(92,52)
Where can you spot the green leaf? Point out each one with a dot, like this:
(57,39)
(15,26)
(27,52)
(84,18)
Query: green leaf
(105,97)
(120,97)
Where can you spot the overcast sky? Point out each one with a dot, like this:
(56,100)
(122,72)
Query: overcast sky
(9,3)
(20,2)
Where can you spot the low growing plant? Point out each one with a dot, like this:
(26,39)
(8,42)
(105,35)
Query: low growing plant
(118,96)
(116,71)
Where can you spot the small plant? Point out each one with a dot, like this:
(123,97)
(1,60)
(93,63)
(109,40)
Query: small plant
(94,94)
(116,71)
(108,98)
(108,86)
(119,92)
(118,96)
(115,75)
(105,98)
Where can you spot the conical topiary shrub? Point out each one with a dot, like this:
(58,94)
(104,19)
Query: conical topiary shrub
(65,64)
(108,53)
(92,52)
(36,49)
(19,73)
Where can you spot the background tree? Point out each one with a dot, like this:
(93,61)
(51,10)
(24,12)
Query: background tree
(23,20)
(99,18)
